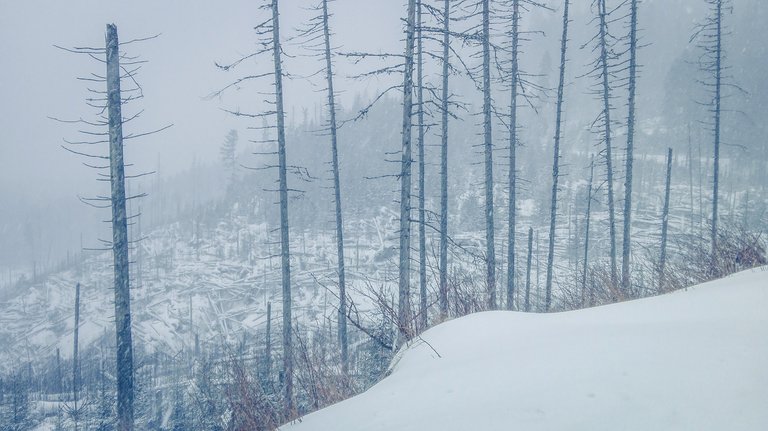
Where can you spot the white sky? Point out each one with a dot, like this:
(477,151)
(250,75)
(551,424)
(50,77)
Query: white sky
(37,80)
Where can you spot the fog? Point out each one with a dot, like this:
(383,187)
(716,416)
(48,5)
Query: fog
(38,178)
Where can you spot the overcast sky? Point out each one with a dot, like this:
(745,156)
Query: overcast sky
(37,80)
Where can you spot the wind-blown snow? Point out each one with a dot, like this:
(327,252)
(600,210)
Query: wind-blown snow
(689,360)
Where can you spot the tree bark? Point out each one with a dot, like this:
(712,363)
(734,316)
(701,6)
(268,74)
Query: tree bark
(528,271)
(626,237)
(488,152)
(285,252)
(268,345)
(423,318)
(119,237)
(337,197)
(512,203)
(718,82)
(556,161)
(586,231)
(665,222)
(404,283)
(75,355)
(443,290)
(607,132)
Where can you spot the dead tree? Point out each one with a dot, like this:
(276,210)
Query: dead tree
(343,340)
(626,237)
(406,67)
(443,34)
(319,28)
(270,50)
(423,318)
(527,306)
(665,222)
(709,37)
(490,249)
(285,253)
(124,352)
(586,230)
(110,115)
(443,266)
(602,72)
(480,34)
(268,346)
(513,138)
(75,355)
(404,282)
(556,159)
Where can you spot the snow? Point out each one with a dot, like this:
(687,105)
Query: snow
(690,360)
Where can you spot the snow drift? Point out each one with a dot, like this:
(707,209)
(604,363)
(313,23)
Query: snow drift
(690,360)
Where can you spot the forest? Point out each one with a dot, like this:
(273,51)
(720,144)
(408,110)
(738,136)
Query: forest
(531,156)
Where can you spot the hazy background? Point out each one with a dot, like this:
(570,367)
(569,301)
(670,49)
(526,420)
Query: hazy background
(40,216)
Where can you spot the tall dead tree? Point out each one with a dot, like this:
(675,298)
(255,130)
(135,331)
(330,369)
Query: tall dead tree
(490,249)
(124,352)
(315,37)
(75,355)
(404,282)
(333,131)
(423,318)
(665,222)
(443,266)
(709,36)
(268,345)
(512,176)
(285,252)
(337,194)
(556,159)
(110,116)
(717,102)
(270,52)
(601,71)
(626,237)
(586,230)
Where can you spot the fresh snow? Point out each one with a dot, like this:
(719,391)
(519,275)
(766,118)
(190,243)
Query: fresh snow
(689,360)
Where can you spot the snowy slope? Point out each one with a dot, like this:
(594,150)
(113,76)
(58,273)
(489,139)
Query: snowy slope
(689,360)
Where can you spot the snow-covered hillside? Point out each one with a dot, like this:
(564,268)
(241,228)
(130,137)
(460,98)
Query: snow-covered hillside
(689,360)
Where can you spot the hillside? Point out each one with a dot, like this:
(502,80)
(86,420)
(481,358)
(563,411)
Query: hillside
(689,360)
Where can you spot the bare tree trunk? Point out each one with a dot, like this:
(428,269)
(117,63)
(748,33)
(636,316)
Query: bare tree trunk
(444,168)
(119,237)
(586,231)
(718,79)
(404,284)
(528,271)
(423,320)
(488,150)
(690,176)
(556,161)
(268,345)
(58,384)
(337,197)
(665,222)
(512,204)
(75,356)
(285,252)
(139,251)
(607,137)
(701,191)
(626,245)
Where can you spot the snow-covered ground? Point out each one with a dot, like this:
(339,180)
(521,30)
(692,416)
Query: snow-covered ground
(690,360)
